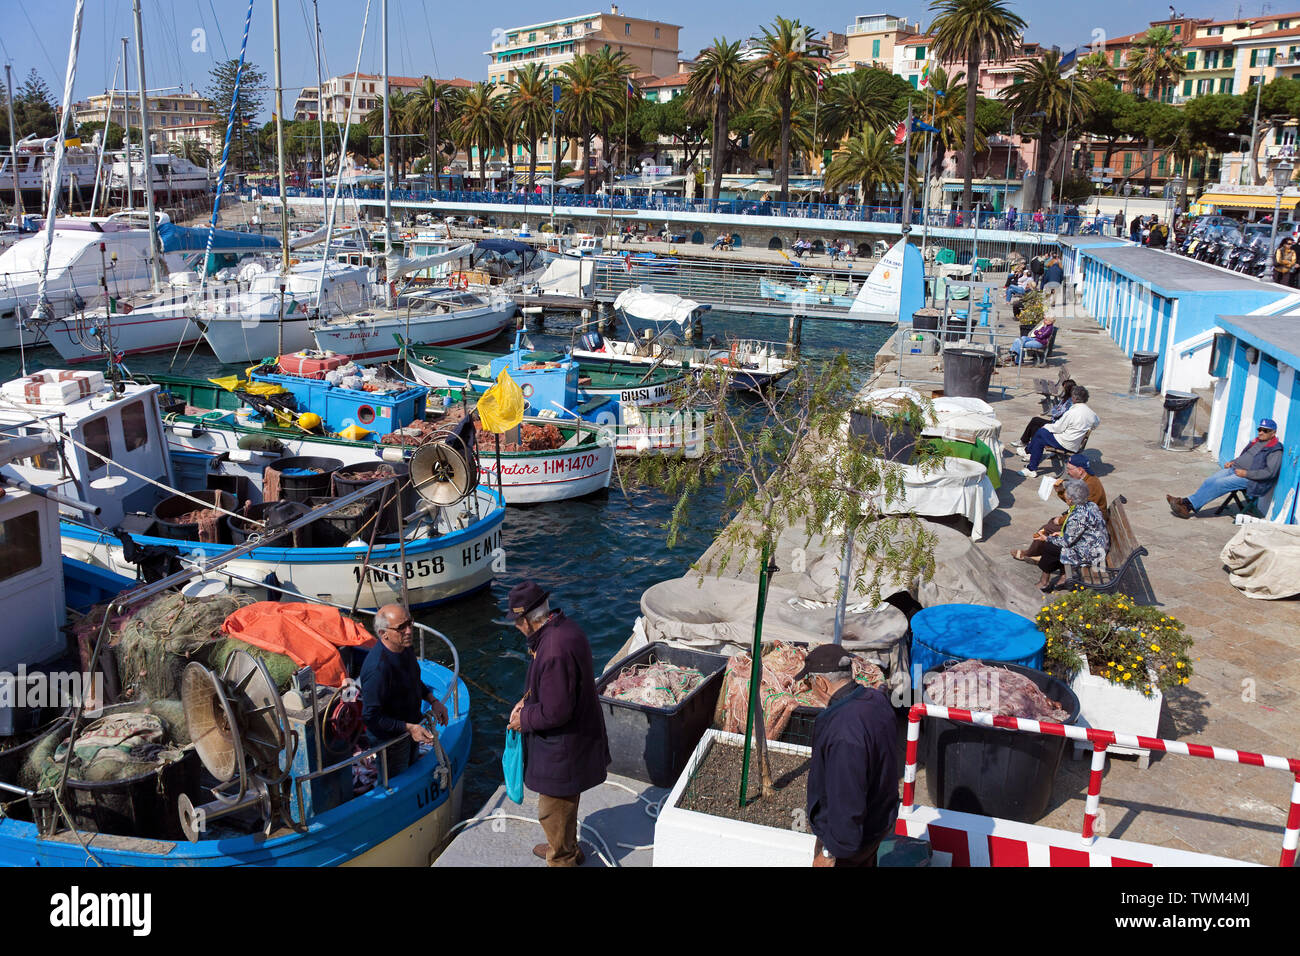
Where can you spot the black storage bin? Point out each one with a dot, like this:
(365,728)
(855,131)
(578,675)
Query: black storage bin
(926,320)
(273,514)
(178,506)
(1178,424)
(396,504)
(958,326)
(337,528)
(143,806)
(995,772)
(895,443)
(300,487)
(654,743)
(967,372)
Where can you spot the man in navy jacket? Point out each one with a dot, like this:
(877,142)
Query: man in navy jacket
(853,776)
(1254,471)
(565,747)
(391,689)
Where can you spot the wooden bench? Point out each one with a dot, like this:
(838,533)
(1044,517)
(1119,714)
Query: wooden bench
(1120,559)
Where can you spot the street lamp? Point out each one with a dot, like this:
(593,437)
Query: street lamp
(1282,169)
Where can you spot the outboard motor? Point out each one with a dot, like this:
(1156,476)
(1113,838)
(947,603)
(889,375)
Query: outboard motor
(593,342)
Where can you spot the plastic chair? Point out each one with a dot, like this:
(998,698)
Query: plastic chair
(946,257)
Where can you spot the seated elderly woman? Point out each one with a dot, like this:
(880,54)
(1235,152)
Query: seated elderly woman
(1038,338)
(1082,540)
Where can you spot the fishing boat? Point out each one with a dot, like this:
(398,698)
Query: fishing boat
(644,309)
(597,378)
(34,162)
(815,290)
(287,757)
(752,366)
(115,448)
(214,421)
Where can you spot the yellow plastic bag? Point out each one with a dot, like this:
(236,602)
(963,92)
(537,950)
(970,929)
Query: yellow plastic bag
(502,406)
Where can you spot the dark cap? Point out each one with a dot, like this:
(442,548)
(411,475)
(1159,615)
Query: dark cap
(523,598)
(1080,460)
(826,659)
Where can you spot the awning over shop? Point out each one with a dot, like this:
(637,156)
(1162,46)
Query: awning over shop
(1247,200)
(981,187)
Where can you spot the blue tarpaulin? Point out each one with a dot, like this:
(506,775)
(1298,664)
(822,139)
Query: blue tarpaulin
(176,238)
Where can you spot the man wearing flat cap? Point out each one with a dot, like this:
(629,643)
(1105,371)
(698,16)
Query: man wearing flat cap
(565,748)
(1254,471)
(853,776)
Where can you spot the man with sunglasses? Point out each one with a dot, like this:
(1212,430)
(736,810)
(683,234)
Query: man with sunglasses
(391,689)
(1254,471)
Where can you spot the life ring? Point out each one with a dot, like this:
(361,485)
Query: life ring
(462,281)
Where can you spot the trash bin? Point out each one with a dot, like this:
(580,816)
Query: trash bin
(967,371)
(926,320)
(1178,429)
(957,326)
(991,771)
(1144,372)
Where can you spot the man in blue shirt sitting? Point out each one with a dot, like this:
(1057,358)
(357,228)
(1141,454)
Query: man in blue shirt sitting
(391,689)
(1254,471)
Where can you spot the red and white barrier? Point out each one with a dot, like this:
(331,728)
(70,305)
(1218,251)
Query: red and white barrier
(987,840)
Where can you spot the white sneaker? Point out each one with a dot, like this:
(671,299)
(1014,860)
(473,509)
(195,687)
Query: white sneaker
(1022,453)
(1025,472)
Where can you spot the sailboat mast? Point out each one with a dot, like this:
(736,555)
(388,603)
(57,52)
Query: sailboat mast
(155,253)
(279,140)
(13,144)
(320,119)
(126,126)
(388,176)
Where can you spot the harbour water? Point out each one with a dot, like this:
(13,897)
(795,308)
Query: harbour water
(596,555)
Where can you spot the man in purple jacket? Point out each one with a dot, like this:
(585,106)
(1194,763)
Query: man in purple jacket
(565,747)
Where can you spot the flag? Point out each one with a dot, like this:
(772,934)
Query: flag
(717,88)
(820,79)
(627,262)
(920,126)
(925,74)
(555,92)
(631,90)
(900,134)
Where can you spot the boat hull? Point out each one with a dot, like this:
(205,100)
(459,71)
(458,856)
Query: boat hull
(641,396)
(436,570)
(135,333)
(235,339)
(364,338)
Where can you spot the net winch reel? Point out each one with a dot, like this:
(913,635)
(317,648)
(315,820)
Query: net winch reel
(444,471)
(242,735)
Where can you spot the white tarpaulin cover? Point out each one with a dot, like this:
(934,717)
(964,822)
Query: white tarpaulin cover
(961,419)
(656,307)
(1263,560)
(958,487)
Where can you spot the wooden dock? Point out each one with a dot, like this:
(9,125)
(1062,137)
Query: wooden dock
(556,303)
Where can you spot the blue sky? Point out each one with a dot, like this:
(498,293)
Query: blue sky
(448,38)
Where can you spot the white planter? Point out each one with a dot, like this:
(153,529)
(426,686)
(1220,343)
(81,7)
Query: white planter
(1108,706)
(689,838)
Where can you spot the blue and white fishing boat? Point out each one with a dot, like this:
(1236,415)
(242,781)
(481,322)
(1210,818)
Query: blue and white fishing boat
(816,290)
(285,759)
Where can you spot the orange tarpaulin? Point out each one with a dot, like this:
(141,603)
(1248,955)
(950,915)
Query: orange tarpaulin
(308,634)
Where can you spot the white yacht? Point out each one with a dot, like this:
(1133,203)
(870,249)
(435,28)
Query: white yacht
(172,176)
(35,160)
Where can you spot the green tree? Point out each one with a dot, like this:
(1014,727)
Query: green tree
(721,83)
(1155,63)
(1063,104)
(480,124)
(870,160)
(973,31)
(252,96)
(433,105)
(528,110)
(192,150)
(944,108)
(86,132)
(587,101)
(624,94)
(770,131)
(1160,124)
(1097,66)
(1213,122)
(786,74)
(853,103)
(1109,119)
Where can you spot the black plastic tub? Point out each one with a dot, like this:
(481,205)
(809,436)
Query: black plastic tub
(654,743)
(399,499)
(273,514)
(179,506)
(894,441)
(336,529)
(143,806)
(991,771)
(299,487)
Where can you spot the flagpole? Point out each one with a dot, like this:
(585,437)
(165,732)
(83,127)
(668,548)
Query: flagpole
(817,101)
(907,180)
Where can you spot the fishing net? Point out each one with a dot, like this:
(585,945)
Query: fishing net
(116,746)
(205,520)
(971,685)
(157,642)
(280,667)
(655,685)
(270,484)
(779,692)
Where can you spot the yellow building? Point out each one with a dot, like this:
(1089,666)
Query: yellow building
(175,110)
(871,40)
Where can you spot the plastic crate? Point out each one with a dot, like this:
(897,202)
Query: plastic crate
(654,743)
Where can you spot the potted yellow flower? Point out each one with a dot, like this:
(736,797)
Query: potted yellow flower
(1120,657)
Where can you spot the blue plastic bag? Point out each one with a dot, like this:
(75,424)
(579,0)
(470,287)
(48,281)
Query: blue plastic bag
(512,765)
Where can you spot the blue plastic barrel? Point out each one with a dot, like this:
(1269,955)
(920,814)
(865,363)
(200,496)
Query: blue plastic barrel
(967,631)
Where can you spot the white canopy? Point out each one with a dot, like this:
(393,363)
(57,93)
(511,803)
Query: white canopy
(657,307)
(399,266)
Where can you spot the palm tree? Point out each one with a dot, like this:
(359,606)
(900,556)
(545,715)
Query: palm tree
(1059,104)
(855,102)
(766,129)
(528,109)
(1095,66)
(433,103)
(787,73)
(587,100)
(973,31)
(479,124)
(870,160)
(1155,63)
(624,96)
(722,81)
(945,109)
(191,150)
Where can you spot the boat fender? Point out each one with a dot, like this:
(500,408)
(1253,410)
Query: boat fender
(188,431)
(262,443)
(392,453)
(245,456)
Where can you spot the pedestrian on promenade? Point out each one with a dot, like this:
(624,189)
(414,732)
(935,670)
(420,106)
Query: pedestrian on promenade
(1076,469)
(1066,433)
(1284,263)
(1083,539)
(1056,411)
(853,773)
(565,747)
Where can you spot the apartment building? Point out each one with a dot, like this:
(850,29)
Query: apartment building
(165,112)
(870,41)
(651,45)
(369,89)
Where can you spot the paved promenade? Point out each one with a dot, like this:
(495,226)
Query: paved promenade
(1247,681)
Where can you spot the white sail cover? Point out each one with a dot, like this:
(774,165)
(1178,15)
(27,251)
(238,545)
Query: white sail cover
(657,307)
(399,266)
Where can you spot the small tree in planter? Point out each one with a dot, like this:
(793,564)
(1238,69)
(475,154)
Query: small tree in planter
(789,457)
